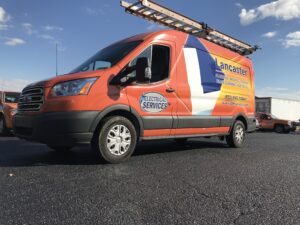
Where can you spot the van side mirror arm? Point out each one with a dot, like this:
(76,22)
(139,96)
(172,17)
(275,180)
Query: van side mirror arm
(116,80)
(122,78)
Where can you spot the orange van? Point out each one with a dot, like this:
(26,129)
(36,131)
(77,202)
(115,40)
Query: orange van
(160,85)
(8,108)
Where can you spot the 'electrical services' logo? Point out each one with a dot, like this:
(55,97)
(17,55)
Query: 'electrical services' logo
(153,102)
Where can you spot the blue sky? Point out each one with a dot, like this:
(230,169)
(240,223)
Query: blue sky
(29,30)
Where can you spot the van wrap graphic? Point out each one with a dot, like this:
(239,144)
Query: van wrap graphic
(218,85)
(212,76)
(204,77)
(153,102)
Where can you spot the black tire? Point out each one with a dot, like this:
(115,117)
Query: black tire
(107,135)
(287,130)
(279,128)
(236,138)
(60,149)
(3,128)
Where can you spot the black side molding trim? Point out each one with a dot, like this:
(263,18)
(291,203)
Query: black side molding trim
(183,136)
(157,122)
(198,121)
(169,122)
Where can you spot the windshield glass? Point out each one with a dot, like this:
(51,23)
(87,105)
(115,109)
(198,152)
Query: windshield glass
(11,97)
(107,57)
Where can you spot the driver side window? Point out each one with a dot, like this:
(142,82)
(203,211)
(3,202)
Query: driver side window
(159,61)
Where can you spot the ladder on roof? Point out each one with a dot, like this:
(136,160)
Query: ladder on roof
(161,15)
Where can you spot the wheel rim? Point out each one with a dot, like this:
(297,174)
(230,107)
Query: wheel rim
(239,134)
(118,140)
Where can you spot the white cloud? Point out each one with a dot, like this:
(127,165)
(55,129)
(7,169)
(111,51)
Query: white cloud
(47,37)
(154,26)
(94,12)
(292,40)
(4,18)
(278,92)
(14,42)
(237,4)
(280,9)
(13,84)
(52,28)
(29,28)
(54,41)
(270,34)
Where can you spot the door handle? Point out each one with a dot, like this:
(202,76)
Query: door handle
(170,90)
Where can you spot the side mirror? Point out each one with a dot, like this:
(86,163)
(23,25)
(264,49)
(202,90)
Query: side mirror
(115,80)
(143,70)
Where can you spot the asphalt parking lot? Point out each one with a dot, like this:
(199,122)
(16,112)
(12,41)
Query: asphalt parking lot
(202,183)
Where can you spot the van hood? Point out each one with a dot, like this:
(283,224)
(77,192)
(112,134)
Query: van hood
(67,77)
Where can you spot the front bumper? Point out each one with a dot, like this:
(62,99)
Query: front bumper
(56,128)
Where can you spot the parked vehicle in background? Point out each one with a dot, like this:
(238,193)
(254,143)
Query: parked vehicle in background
(281,108)
(268,121)
(257,124)
(296,125)
(8,108)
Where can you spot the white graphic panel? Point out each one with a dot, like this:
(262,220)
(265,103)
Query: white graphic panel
(202,104)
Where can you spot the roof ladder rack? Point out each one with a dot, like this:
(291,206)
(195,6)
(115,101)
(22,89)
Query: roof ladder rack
(154,12)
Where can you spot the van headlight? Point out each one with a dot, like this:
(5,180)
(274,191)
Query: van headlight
(74,87)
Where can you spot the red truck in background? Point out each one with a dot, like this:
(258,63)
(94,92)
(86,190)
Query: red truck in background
(268,121)
(8,108)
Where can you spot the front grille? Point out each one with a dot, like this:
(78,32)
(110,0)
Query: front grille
(31,99)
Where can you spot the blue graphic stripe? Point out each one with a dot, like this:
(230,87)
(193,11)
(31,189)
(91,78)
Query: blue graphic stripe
(212,75)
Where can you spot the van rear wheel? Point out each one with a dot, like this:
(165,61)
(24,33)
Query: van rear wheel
(237,135)
(116,140)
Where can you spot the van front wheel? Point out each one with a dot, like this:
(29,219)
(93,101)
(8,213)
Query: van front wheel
(237,135)
(116,140)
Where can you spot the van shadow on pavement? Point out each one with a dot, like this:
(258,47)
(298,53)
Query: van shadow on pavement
(18,153)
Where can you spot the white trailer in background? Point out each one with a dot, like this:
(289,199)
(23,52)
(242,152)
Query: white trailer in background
(281,108)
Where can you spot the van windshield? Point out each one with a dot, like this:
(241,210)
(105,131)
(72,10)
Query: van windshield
(107,57)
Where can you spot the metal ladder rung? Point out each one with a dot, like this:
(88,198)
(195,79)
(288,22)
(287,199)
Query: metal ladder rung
(140,10)
(153,14)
